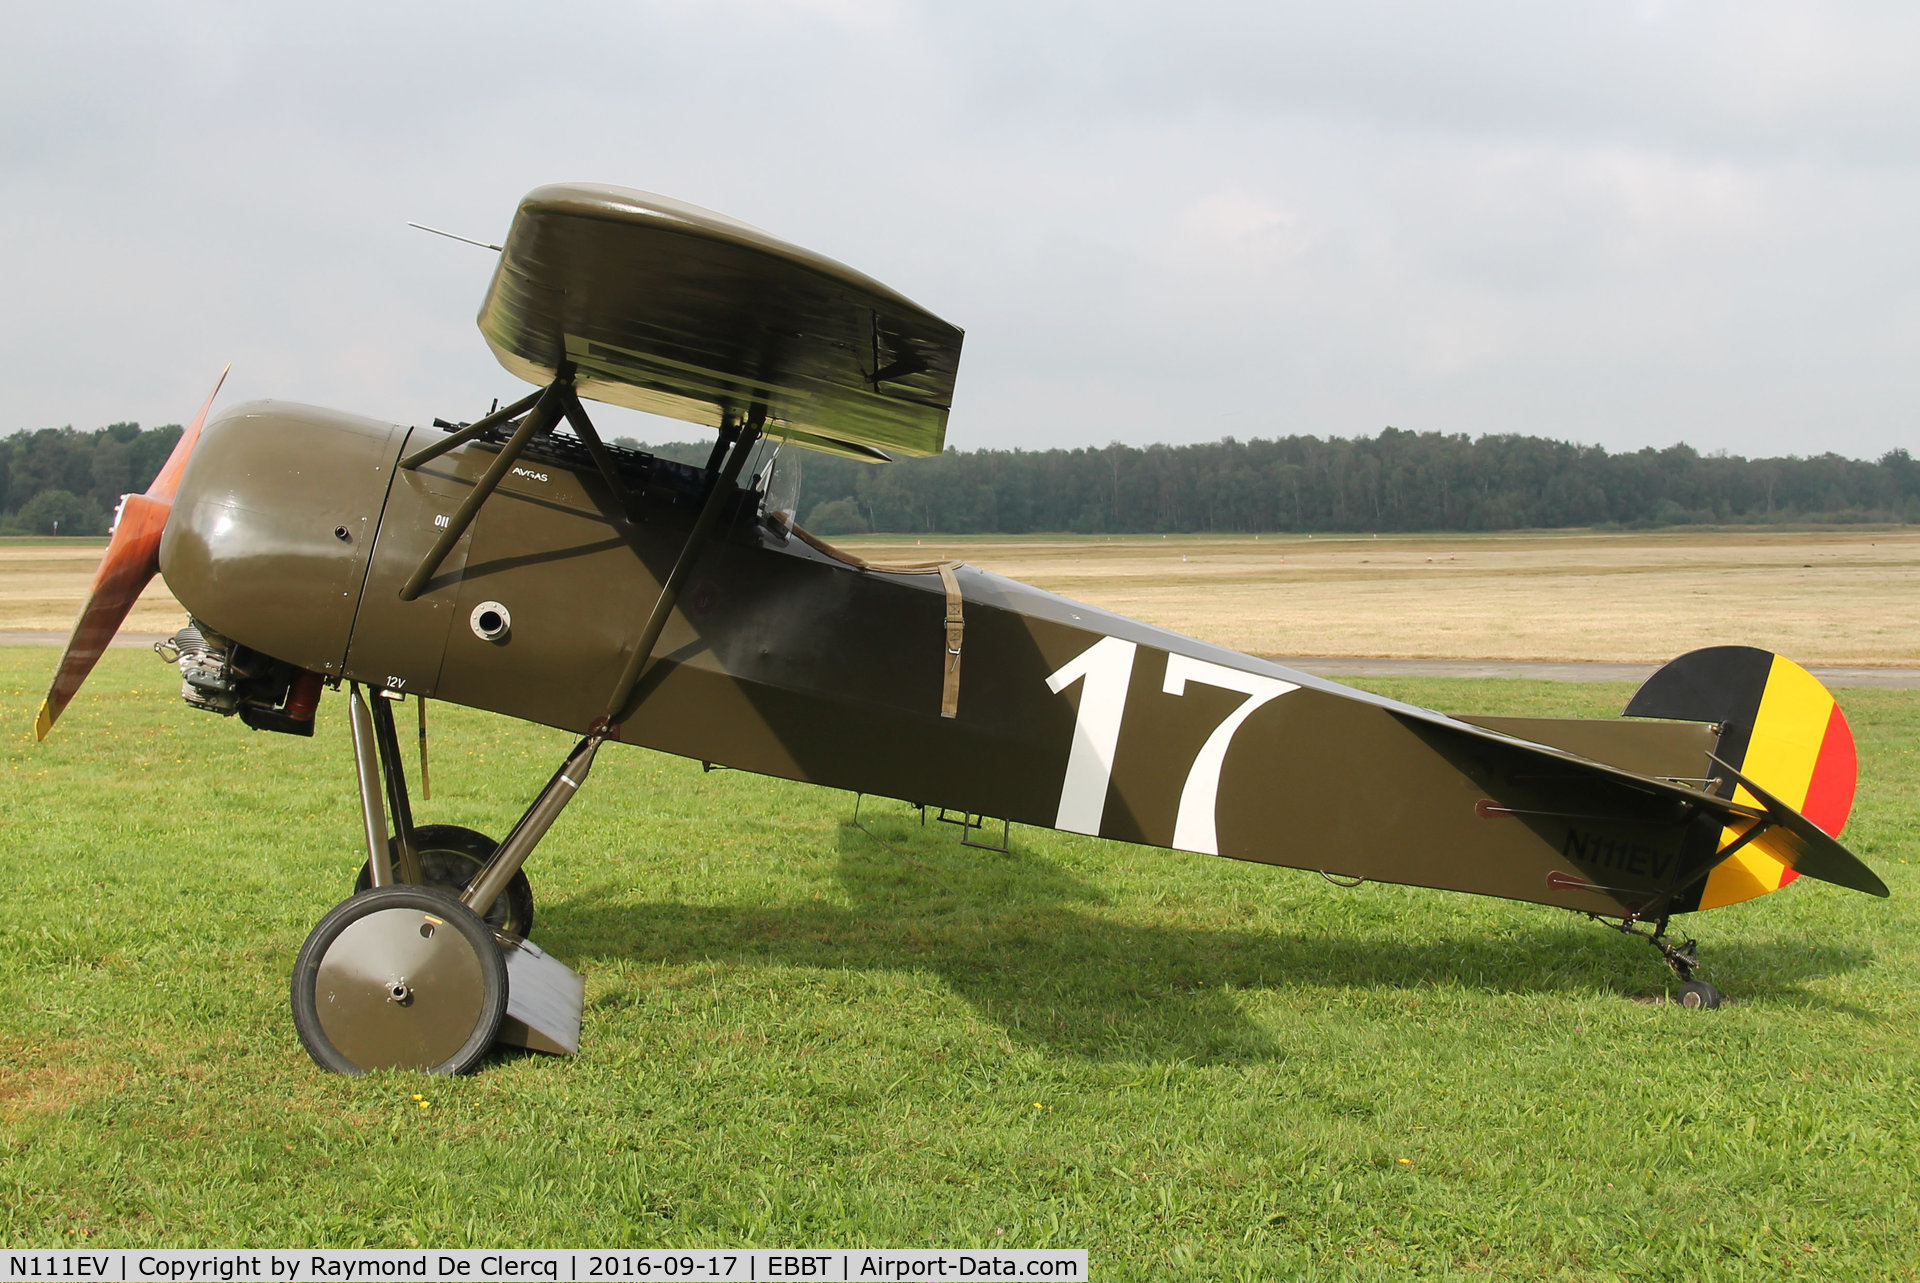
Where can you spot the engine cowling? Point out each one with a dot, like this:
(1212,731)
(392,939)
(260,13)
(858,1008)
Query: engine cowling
(272,527)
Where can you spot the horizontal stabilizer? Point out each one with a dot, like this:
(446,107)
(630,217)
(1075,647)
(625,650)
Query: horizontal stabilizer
(1802,846)
(1788,837)
(1732,811)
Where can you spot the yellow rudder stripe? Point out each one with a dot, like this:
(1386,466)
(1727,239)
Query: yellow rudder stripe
(1781,755)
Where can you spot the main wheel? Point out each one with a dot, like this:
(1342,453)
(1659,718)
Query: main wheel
(399,978)
(450,856)
(1699,995)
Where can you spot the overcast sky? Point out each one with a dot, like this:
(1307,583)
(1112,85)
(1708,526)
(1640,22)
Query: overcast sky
(1622,223)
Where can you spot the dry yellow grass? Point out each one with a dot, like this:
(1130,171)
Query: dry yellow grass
(1842,597)
(43,582)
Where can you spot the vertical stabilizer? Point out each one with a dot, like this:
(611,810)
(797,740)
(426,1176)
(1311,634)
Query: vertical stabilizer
(1779,728)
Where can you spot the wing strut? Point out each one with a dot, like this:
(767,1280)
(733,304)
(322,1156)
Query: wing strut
(428,454)
(723,486)
(584,429)
(548,406)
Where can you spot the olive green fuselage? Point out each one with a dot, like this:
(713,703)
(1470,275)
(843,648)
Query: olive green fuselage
(295,529)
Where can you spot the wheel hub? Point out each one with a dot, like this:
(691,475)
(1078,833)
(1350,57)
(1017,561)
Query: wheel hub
(394,991)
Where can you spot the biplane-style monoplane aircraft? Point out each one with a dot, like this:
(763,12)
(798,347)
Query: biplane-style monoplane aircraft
(508,566)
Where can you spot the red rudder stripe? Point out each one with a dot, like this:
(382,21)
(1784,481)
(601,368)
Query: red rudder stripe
(1835,773)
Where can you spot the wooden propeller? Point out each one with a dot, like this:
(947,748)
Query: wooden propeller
(131,561)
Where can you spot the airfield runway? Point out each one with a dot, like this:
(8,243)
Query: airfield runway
(1335,666)
(1563,671)
(1565,606)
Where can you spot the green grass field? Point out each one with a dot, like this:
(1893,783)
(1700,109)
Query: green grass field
(798,1034)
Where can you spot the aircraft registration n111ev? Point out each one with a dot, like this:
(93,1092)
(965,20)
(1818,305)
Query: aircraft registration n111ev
(549,575)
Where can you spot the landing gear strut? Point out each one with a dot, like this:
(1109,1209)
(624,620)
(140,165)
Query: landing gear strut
(449,858)
(427,966)
(366,993)
(1683,956)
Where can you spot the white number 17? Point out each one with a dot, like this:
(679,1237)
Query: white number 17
(1106,668)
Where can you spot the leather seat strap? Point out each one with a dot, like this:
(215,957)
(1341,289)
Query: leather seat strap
(956,628)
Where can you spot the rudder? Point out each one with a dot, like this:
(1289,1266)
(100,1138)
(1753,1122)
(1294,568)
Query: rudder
(1779,727)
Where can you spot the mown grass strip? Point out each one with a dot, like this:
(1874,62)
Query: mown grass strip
(797,1034)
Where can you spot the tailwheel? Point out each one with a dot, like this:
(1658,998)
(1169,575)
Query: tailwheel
(399,977)
(449,857)
(1698,995)
(1681,955)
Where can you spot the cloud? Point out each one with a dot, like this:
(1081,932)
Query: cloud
(1613,223)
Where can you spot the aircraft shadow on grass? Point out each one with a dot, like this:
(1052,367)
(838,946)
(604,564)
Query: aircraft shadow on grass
(1019,939)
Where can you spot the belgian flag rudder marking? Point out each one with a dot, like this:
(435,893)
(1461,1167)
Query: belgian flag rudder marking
(1781,728)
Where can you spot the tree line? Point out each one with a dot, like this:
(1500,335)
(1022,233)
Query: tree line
(59,481)
(1396,481)
(69,481)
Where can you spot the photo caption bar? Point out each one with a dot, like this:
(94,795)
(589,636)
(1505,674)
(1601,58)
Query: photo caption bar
(550,1265)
